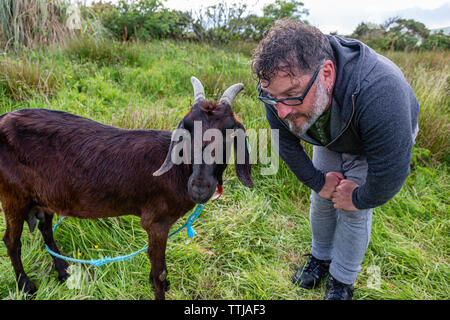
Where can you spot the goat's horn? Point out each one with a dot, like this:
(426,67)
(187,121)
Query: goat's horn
(199,91)
(230,94)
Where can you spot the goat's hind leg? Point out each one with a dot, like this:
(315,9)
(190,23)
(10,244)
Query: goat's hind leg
(45,226)
(15,213)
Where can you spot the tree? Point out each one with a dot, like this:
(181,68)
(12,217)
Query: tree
(255,27)
(400,34)
(222,22)
(282,9)
(411,27)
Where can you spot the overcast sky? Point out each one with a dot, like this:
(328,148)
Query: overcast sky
(344,15)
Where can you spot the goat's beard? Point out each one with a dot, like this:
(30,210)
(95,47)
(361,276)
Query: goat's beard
(320,103)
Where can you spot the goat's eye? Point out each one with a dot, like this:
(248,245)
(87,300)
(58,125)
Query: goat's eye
(188,124)
(229,124)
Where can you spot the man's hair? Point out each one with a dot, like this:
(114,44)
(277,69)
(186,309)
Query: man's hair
(291,45)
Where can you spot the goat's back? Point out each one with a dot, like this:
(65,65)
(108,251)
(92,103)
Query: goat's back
(76,166)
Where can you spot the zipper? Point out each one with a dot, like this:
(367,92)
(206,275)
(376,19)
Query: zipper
(348,123)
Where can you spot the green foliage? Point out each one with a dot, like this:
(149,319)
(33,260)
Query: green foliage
(411,27)
(436,41)
(223,23)
(400,34)
(142,20)
(282,9)
(219,23)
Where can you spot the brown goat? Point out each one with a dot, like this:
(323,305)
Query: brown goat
(56,162)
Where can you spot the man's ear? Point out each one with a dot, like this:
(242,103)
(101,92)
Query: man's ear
(328,74)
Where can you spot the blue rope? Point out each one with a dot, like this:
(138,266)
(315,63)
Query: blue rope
(254,120)
(99,262)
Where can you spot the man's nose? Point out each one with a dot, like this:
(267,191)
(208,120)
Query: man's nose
(283,110)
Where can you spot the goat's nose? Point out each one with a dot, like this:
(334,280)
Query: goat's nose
(283,110)
(200,186)
(200,191)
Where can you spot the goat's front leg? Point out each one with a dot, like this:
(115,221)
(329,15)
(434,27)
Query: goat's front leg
(157,241)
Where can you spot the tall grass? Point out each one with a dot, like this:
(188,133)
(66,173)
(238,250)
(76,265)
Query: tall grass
(429,75)
(250,241)
(32,23)
(23,79)
(104,52)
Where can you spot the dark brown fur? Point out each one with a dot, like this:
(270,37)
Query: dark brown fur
(56,162)
(61,163)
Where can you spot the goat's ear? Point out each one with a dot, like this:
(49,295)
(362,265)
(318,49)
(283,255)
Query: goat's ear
(242,156)
(174,143)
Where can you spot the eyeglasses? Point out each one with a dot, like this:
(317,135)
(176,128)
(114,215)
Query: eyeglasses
(293,101)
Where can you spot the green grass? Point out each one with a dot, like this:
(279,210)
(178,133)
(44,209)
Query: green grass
(250,241)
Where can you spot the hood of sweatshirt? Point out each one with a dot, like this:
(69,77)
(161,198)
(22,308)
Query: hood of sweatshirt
(354,61)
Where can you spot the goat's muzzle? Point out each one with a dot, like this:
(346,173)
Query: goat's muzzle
(202,184)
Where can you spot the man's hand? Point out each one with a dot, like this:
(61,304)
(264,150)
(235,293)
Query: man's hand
(332,180)
(342,196)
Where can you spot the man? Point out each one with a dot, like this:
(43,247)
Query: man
(357,109)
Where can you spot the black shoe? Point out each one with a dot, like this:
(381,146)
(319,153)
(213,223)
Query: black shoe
(337,290)
(311,273)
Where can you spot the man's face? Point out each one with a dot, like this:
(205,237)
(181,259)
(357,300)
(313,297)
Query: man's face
(285,85)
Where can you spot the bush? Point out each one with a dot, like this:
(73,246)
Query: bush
(143,20)
(437,41)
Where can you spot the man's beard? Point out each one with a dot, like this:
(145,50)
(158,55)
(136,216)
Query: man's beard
(320,103)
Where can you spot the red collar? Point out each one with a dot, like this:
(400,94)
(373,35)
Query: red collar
(219,192)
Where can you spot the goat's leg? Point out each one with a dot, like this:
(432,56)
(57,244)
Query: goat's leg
(15,218)
(157,241)
(45,226)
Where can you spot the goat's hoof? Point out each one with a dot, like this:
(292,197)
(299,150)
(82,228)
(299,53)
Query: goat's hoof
(61,267)
(166,285)
(27,286)
(62,277)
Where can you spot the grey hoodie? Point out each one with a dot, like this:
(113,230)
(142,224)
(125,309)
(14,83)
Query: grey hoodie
(374,113)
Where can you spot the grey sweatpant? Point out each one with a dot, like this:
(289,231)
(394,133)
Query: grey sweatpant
(340,235)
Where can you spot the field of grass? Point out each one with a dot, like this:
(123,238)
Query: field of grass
(250,241)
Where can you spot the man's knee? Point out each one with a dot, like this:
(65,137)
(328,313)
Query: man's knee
(321,206)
